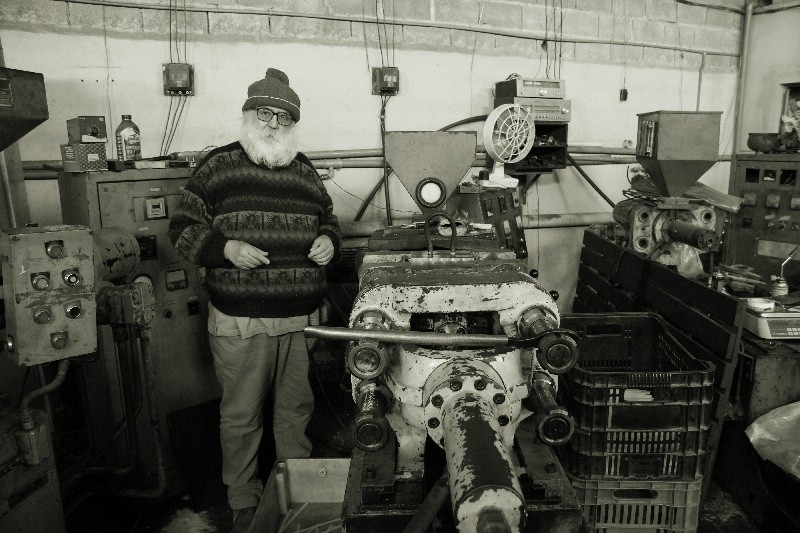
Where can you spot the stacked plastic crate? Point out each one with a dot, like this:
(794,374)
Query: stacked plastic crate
(643,408)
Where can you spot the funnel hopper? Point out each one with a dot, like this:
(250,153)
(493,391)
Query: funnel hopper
(677,147)
(430,163)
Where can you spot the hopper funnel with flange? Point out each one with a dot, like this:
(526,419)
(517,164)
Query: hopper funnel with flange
(677,147)
(430,164)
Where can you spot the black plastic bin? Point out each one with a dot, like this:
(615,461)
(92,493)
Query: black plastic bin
(641,402)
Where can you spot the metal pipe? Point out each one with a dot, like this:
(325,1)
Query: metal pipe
(737,117)
(9,199)
(589,180)
(25,414)
(429,240)
(700,80)
(155,423)
(406,337)
(47,407)
(477,28)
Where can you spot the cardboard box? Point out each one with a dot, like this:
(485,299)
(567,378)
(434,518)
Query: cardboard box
(82,157)
(87,130)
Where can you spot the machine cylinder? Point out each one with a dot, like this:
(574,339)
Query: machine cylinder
(370,429)
(702,238)
(535,321)
(479,465)
(557,353)
(116,253)
(554,424)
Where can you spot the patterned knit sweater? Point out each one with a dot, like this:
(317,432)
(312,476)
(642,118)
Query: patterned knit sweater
(280,211)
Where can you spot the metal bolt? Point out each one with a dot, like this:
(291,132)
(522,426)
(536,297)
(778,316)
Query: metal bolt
(437,401)
(550,468)
(455,384)
(503,420)
(323,471)
(433,423)
(369,473)
(499,398)
(480,384)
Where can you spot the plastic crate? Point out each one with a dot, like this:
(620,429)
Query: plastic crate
(632,374)
(655,466)
(643,506)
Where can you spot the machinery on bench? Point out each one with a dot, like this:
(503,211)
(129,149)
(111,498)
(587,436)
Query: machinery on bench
(674,148)
(452,351)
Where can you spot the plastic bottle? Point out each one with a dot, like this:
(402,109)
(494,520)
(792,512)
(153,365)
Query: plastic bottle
(128,142)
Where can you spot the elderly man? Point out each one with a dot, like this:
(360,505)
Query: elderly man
(256,214)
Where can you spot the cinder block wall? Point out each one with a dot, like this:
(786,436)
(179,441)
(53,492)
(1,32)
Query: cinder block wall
(616,31)
(106,60)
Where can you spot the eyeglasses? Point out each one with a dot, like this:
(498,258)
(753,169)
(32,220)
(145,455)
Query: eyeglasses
(266,114)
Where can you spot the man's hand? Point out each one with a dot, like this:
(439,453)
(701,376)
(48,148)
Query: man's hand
(244,255)
(321,250)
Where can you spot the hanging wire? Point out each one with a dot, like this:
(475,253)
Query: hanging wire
(378,28)
(166,127)
(178,114)
(393,28)
(361,199)
(185,57)
(364,33)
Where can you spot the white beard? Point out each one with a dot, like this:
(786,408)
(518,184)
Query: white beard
(265,146)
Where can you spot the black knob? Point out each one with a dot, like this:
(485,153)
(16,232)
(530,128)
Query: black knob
(167,314)
(554,295)
(534,273)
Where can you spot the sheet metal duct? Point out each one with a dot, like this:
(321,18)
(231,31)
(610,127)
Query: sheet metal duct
(23,104)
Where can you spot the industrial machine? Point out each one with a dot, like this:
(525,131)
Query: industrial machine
(674,148)
(56,288)
(452,351)
(139,203)
(767,228)
(545,100)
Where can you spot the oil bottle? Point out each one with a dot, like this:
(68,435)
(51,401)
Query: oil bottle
(128,142)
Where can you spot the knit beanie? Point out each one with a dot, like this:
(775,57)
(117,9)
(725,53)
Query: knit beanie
(273,91)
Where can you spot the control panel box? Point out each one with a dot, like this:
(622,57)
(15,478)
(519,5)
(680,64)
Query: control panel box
(178,79)
(766,229)
(543,109)
(48,293)
(385,81)
(140,202)
(530,88)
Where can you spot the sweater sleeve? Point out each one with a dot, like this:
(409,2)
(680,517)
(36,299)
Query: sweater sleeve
(190,228)
(328,222)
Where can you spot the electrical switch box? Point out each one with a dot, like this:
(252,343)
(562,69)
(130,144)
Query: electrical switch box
(178,79)
(385,80)
(48,292)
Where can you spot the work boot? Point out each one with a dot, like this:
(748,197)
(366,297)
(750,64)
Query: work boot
(242,519)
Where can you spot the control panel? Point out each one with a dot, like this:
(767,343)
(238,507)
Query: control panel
(48,293)
(767,227)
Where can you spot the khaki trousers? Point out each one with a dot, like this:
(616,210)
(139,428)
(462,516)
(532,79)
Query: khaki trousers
(248,370)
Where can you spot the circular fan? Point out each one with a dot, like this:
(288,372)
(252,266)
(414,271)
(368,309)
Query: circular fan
(508,135)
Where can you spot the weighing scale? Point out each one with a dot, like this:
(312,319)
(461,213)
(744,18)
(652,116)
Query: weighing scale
(774,318)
